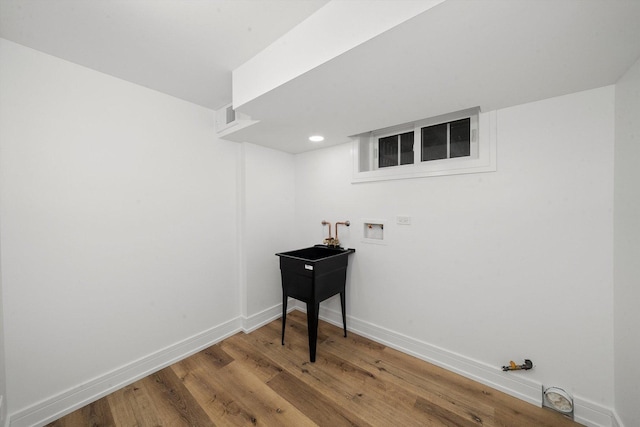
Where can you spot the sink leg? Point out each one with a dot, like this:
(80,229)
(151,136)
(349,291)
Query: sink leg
(344,316)
(284,314)
(312,326)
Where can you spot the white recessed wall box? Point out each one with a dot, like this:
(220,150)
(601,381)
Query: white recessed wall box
(373,231)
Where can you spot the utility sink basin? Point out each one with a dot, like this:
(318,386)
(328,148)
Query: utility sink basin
(312,275)
(315,253)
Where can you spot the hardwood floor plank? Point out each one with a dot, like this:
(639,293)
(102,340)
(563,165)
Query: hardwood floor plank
(96,414)
(404,367)
(132,406)
(216,356)
(313,403)
(175,404)
(425,393)
(444,416)
(207,388)
(345,384)
(242,351)
(253,380)
(413,399)
(272,409)
(235,396)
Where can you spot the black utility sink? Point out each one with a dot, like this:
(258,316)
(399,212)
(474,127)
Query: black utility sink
(315,253)
(312,275)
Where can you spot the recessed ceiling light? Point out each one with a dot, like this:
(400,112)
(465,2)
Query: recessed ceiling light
(316,138)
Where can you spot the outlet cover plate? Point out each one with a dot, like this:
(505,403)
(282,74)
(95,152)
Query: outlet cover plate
(403,220)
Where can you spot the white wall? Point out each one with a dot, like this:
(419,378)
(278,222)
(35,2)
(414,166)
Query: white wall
(269,225)
(627,247)
(497,266)
(121,212)
(118,223)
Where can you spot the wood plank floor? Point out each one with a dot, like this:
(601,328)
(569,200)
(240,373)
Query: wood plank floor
(252,380)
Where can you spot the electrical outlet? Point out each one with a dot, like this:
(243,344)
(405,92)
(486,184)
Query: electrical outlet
(403,220)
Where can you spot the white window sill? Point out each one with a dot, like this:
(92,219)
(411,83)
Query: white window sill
(486,161)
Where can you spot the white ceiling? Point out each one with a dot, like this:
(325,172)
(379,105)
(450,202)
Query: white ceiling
(459,54)
(456,55)
(185,48)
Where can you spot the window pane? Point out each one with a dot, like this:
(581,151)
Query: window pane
(460,133)
(406,148)
(388,151)
(434,142)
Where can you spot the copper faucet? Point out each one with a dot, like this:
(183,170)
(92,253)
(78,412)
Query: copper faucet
(347,223)
(330,241)
(329,224)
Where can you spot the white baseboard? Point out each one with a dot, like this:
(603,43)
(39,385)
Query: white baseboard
(616,421)
(2,411)
(592,414)
(255,321)
(57,406)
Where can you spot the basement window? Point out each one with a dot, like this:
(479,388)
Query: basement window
(447,140)
(395,150)
(456,143)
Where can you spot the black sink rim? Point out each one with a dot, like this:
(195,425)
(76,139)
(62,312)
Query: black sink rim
(336,252)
